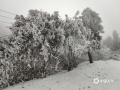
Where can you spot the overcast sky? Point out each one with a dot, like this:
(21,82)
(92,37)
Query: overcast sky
(109,11)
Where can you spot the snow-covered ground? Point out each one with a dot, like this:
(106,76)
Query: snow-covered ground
(80,78)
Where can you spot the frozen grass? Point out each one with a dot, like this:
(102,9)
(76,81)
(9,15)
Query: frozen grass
(81,78)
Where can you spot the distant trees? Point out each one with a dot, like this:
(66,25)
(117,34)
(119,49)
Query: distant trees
(112,43)
(116,41)
(108,42)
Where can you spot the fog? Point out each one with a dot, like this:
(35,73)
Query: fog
(109,11)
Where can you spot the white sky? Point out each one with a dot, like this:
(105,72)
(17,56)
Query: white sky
(109,11)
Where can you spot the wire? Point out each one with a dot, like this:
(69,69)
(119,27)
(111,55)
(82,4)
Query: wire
(6,17)
(7,12)
(4,36)
(5,22)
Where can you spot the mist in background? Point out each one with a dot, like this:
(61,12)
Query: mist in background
(108,10)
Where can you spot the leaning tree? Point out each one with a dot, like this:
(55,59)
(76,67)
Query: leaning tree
(92,22)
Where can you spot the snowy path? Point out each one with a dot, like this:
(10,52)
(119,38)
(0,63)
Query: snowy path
(81,78)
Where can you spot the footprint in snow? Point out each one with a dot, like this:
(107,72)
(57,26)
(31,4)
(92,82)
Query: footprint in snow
(83,87)
(57,82)
(105,74)
(89,87)
(23,87)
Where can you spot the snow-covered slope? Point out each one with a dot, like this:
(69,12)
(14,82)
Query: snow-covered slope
(81,78)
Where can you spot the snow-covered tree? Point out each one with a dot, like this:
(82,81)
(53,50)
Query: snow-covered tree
(92,22)
(40,40)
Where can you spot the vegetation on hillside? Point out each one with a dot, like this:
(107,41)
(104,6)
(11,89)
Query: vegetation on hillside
(42,44)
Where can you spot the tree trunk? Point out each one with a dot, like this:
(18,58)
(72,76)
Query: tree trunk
(69,60)
(90,57)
